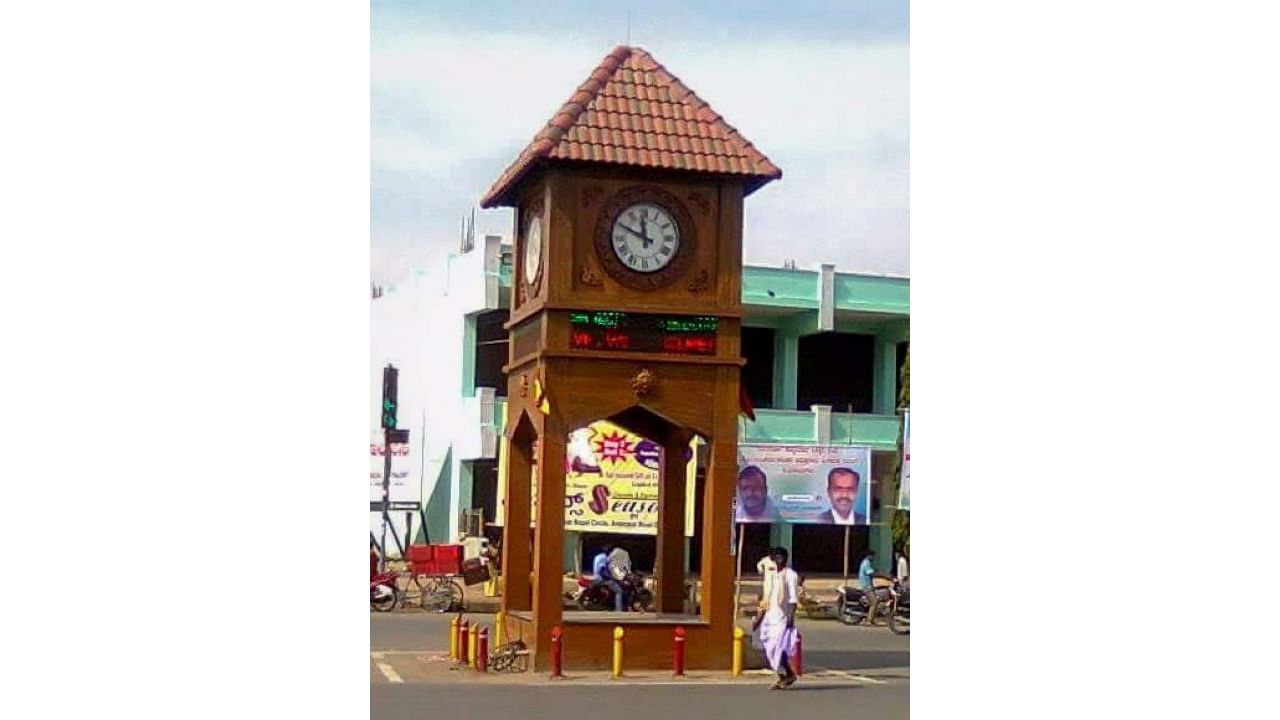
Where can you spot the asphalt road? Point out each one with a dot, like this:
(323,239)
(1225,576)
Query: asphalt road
(848,670)
(806,699)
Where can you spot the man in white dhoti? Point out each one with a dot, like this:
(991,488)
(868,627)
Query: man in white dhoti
(776,626)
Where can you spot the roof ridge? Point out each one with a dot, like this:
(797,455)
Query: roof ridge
(647,93)
(573,108)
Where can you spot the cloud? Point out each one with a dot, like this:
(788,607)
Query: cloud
(451,110)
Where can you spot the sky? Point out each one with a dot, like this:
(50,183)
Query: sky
(458,89)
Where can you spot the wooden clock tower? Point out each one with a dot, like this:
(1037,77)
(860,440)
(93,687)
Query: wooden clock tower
(626,306)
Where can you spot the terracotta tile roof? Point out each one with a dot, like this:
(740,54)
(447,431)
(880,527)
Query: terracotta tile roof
(632,111)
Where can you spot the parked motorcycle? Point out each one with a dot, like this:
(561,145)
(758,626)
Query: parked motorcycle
(384,594)
(600,597)
(900,615)
(853,605)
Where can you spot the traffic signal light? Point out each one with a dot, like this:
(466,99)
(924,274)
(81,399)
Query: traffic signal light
(390,378)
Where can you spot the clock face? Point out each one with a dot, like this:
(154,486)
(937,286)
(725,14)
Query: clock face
(533,250)
(645,237)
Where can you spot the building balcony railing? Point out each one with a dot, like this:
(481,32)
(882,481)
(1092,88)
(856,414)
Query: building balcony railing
(798,427)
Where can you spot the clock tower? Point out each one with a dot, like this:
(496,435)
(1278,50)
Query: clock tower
(626,306)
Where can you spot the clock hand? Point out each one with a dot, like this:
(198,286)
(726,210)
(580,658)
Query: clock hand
(640,235)
(644,229)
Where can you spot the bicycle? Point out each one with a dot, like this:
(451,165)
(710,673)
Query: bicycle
(509,657)
(439,593)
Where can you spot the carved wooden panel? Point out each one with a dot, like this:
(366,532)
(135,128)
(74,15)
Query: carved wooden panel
(526,339)
(583,204)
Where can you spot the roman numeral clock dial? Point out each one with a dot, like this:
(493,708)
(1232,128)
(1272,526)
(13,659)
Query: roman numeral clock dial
(645,238)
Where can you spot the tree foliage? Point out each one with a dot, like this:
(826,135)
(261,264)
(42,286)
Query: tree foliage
(901,527)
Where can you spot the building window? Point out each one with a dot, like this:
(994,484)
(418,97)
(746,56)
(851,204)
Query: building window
(491,351)
(757,375)
(897,373)
(836,369)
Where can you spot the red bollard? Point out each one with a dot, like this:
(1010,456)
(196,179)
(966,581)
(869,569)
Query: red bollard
(677,651)
(482,650)
(463,631)
(799,659)
(557,651)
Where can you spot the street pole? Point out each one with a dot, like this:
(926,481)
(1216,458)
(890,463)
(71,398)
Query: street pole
(390,392)
(386,492)
(846,554)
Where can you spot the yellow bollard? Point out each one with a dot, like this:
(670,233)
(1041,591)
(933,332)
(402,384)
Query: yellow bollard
(471,644)
(738,635)
(617,651)
(453,638)
(498,622)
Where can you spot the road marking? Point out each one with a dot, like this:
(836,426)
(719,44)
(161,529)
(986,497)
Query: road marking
(819,670)
(386,669)
(390,673)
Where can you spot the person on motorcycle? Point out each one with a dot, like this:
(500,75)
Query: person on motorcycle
(866,570)
(866,577)
(600,568)
(619,563)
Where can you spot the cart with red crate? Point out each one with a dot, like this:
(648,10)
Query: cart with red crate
(433,571)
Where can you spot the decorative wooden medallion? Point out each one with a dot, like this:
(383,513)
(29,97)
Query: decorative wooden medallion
(589,276)
(700,281)
(701,201)
(590,194)
(644,383)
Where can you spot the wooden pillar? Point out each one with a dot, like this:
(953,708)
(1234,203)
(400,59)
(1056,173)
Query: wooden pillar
(548,551)
(671,500)
(515,528)
(717,520)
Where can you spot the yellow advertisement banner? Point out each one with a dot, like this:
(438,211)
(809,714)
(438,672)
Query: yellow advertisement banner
(611,482)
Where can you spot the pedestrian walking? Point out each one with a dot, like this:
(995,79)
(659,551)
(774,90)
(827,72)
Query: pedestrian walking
(776,627)
(903,569)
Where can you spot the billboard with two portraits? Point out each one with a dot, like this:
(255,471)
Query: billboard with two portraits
(803,484)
